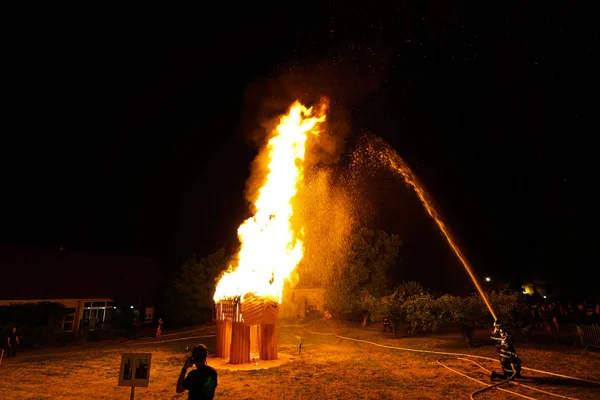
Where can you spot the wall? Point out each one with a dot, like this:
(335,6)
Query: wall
(297,300)
(77,304)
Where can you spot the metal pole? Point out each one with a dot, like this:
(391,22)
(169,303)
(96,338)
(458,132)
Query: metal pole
(132,396)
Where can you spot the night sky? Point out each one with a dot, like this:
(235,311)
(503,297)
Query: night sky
(130,134)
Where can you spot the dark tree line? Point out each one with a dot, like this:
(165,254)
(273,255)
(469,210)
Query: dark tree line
(190,294)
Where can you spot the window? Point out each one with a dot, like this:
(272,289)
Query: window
(95,315)
(68,319)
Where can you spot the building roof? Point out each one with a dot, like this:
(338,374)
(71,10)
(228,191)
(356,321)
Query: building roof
(50,273)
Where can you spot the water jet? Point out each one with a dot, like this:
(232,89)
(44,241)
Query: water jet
(378,149)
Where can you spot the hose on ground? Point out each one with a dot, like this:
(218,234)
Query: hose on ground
(487,387)
(517,382)
(462,355)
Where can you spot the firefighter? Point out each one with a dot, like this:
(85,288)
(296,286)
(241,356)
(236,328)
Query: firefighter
(496,333)
(509,361)
(386,324)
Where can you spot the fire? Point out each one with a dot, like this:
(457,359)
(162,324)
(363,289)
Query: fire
(270,247)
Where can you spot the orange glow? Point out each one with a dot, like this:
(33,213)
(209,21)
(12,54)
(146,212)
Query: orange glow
(270,247)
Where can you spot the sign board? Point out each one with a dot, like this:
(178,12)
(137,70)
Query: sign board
(135,369)
(149,317)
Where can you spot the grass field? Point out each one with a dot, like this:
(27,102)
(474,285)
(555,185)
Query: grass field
(329,367)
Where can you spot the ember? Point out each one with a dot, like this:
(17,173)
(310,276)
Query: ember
(248,294)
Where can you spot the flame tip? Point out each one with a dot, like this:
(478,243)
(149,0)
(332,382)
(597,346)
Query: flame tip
(271,246)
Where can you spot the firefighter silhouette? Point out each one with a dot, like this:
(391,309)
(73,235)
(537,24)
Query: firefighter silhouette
(509,360)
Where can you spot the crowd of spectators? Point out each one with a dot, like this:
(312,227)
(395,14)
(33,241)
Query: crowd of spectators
(554,315)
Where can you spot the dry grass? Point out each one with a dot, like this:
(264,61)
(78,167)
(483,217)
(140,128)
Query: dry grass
(328,368)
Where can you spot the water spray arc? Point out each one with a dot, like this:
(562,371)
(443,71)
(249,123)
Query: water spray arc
(376,147)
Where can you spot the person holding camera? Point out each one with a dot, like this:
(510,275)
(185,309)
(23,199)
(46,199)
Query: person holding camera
(200,382)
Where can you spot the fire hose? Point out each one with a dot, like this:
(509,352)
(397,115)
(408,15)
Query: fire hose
(510,381)
(487,387)
(462,355)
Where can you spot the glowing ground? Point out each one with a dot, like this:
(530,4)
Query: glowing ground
(222,363)
(328,368)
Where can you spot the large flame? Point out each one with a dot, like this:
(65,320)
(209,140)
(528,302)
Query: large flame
(270,248)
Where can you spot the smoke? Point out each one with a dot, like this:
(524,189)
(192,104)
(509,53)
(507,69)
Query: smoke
(260,119)
(332,200)
(346,76)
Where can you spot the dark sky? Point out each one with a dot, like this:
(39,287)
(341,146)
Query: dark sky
(125,134)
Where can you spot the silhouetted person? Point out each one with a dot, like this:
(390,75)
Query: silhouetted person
(135,326)
(159,328)
(553,317)
(85,328)
(141,372)
(386,324)
(127,370)
(201,382)
(543,316)
(13,342)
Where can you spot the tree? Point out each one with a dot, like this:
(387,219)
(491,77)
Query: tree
(190,295)
(505,305)
(466,313)
(378,308)
(409,289)
(516,285)
(422,313)
(463,312)
(391,306)
(369,258)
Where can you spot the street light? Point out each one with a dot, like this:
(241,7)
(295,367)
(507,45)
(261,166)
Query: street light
(487,279)
(130,306)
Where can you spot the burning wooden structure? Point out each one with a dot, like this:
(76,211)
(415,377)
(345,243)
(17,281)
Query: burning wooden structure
(248,293)
(246,328)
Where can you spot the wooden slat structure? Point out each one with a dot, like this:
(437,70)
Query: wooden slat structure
(247,327)
(254,338)
(223,338)
(268,341)
(240,343)
(223,335)
(258,310)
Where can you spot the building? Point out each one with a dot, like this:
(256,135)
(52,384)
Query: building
(533,286)
(299,299)
(93,287)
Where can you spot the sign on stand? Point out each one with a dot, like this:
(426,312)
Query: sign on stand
(135,370)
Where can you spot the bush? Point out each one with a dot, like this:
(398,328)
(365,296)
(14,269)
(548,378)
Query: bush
(507,307)
(365,272)
(389,306)
(35,321)
(423,312)
(464,313)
